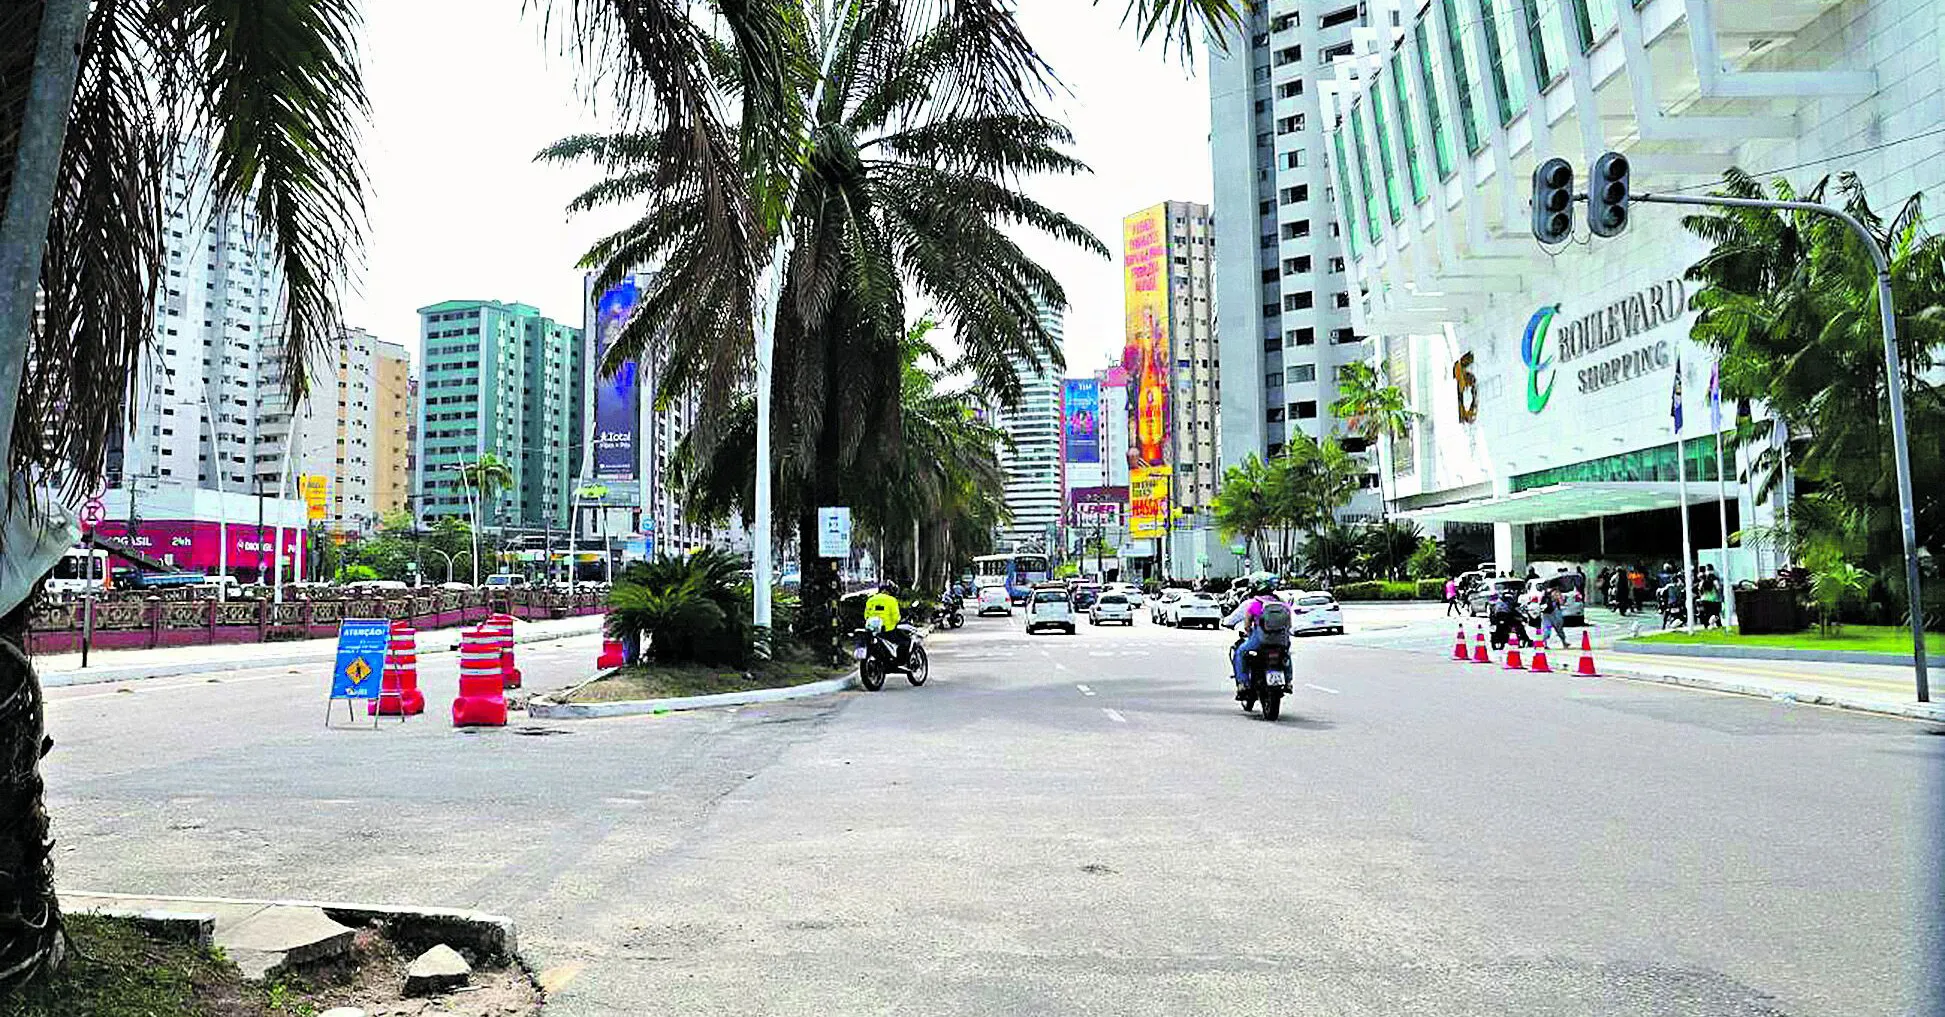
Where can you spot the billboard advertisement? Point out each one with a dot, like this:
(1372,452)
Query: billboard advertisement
(617,399)
(1146,358)
(1098,506)
(1081,410)
(1147,501)
(197,544)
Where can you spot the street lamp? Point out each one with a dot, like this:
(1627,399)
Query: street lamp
(472,505)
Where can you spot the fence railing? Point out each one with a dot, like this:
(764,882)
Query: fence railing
(136,623)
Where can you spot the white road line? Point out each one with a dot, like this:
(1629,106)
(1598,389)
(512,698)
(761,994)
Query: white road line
(1320,688)
(145,687)
(1060,667)
(1085,691)
(1114,715)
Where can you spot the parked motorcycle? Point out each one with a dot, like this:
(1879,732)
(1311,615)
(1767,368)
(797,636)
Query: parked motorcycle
(951,614)
(878,656)
(1268,668)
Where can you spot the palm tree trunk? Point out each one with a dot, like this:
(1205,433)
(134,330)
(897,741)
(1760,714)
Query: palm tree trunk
(32,943)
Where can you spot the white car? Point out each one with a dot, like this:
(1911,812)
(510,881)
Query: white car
(1315,612)
(1158,608)
(994,600)
(1198,609)
(1048,607)
(1130,591)
(1112,606)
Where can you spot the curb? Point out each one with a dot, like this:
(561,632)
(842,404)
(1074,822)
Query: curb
(632,707)
(1763,653)
(490,935)
(1908,711)
(101,676)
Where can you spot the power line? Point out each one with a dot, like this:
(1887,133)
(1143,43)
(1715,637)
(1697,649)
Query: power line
(1880,146)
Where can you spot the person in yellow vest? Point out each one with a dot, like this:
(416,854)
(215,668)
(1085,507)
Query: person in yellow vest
(883,606)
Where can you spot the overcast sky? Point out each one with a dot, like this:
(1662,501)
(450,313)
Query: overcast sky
(464,92)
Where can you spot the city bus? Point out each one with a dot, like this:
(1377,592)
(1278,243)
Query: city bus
(78,570)
(1018,571)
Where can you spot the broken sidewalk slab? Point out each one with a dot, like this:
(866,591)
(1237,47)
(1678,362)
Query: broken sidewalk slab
(437,970)
(280,937)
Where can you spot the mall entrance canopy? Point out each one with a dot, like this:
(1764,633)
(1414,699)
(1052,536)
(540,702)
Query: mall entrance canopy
(1560,502)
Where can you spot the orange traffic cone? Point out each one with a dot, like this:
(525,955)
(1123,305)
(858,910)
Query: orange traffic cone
(1586,667)
(1539,665)
(1479,647)
(1459,645)
(1513,660)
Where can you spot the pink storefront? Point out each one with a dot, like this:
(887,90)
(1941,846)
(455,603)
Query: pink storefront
(196,544)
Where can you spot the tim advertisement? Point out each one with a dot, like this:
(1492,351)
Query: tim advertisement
(1081,406)
(617,398)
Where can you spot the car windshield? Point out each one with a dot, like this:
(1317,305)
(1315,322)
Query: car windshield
(1315,600)
(1113,598)
(1202,597)
(1050,597)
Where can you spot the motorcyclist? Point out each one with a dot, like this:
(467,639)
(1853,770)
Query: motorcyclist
(1504,610)
(883,605)
(1247,620)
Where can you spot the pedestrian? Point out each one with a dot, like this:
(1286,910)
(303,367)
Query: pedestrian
(1600,585)
(1451,596)
(1623,592)
(1708,598)
(1553,616)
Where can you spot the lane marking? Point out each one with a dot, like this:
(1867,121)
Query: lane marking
(1320,688)
(1114,715)
(1060,667)
(1085,691)
(144,686)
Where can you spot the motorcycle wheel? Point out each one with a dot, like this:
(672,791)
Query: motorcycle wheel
(921,667)
(871,675)
(1249,702)
(1272,704)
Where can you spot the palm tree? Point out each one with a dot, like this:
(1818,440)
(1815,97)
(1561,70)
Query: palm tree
(1242,506)
(1372,408)
(910,192)
(96,100)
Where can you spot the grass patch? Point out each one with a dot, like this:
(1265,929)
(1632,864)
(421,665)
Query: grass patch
(1858,638)
(114,970)
(658,681)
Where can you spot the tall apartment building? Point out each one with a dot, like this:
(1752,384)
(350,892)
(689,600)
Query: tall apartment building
(1283,296)
(499,378)
(336,431)
(392,430)
(1032,466)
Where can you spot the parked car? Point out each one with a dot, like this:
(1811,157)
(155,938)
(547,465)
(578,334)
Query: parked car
(1048,607)
(1489,590)
(1158,608)
(505,580)
(1113,606)
(1316,612)
(995,600)
(1195,609)
(1573,612)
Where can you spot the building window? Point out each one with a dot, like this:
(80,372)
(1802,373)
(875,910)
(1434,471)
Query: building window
(1344,188)
(1370,204)
(1267,240)
(1296,229)
(1300,374)
(1274,379)
(1290,89)
(1283,22)
(1465,74)
(1509,86)
(1543,37)
(1385,165)
(1263,139)
(1428,86)
(1293,159)
(1269,275)
(1301,337)
(1339,51)
(1300,301)
(1297,265)
(1593,19)
(1289,55)
(1343,16)
(1274,416)
(1304,410)
(1292,195)
(1290,124)
(1406,129)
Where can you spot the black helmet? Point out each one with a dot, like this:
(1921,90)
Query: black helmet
(888,588)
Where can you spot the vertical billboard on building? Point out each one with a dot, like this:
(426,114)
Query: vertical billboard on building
(1146,358)
(1147,501)
(617,398)
(1081,409)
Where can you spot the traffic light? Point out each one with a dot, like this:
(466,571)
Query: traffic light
(1607,196)
(1553,201)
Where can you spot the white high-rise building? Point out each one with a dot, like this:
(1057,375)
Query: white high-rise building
(1283,297)
(1032,466)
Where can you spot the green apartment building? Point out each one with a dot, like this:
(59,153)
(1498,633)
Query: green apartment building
(504,379)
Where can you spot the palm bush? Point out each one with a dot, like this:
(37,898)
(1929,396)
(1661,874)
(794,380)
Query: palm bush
(693,609)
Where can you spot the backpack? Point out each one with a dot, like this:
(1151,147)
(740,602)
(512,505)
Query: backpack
(1275,622)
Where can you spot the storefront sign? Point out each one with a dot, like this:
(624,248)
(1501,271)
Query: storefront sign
(1543,346)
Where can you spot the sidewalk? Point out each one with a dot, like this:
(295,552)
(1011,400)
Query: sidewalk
(1874,688)
(63,669)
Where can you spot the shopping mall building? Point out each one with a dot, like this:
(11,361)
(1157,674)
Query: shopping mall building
(1544,377)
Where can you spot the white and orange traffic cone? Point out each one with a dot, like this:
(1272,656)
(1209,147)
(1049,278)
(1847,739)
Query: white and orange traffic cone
(1479,655)
(1586,667)
(1513,660)
(1540,665)
(1459,645)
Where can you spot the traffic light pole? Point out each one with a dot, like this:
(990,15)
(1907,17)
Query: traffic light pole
(1894,381)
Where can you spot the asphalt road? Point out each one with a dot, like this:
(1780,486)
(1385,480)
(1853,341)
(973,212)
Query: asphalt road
(1080,824)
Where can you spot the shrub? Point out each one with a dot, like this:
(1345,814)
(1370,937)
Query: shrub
(694,609)
(1429,562)
(1380,590)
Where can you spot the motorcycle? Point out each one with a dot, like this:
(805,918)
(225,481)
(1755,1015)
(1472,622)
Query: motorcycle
(951,614)
(1268,668)
(877,656)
